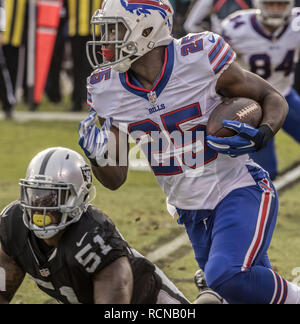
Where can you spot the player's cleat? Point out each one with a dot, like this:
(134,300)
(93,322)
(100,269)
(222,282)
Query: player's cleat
(200,282)
(206,294)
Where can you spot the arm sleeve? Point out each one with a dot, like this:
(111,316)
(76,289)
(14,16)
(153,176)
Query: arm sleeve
(109,245)
(220,54)
(89,89)
(104,246)
(90,101)
(98,88)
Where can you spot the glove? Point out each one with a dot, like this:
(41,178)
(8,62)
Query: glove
(247,140)
(92,140)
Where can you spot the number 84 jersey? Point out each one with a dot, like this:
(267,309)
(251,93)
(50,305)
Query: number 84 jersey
(270,55)
(169,120)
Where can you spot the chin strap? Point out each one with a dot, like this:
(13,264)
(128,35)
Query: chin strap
(122,67)
(125,65)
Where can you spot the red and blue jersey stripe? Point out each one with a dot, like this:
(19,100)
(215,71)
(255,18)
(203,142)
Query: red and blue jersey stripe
(90,101)
(221,55)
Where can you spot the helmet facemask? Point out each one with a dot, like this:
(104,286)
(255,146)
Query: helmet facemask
(124,49)
(145,28)
(275,18)
(50,207)
(56,191)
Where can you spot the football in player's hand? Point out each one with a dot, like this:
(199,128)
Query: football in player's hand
(240,109)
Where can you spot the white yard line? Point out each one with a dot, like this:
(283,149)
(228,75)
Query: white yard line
(168,248)
(25,116)
(287,178)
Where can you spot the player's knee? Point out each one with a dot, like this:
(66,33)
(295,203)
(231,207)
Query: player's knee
(229,281)
(218,270)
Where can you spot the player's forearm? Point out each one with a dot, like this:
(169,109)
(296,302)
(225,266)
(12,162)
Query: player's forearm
(237,82)
(275,107)
(275,110)
(14,277)
(111,177)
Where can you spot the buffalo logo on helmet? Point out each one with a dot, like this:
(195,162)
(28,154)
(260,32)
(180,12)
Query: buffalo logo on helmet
(144,7)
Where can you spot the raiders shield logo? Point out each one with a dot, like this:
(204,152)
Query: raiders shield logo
(86,173)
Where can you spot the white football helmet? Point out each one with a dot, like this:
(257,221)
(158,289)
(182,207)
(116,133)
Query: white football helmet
(58,182)
(274,19)
(137,16)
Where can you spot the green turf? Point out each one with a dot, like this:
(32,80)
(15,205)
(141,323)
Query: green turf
(284,251)
(288,150)
(138,208)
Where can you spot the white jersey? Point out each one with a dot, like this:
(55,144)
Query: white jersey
(182,99)
(271,56)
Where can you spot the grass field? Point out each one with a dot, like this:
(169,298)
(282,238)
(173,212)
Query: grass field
(138,208)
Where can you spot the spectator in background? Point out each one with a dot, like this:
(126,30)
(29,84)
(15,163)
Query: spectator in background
(13,38)
(53,87)
(216,10)
(79,15)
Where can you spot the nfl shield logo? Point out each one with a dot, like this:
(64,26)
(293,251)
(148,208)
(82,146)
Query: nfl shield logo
(152,97)
(45,272)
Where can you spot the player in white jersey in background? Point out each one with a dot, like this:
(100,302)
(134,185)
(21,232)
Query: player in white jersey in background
(267,41)
(216,10)
(155,87)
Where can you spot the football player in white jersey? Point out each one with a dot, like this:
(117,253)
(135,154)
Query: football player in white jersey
(159,89)
(267,41)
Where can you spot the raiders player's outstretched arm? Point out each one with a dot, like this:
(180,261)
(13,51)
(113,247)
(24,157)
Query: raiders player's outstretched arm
(13,277)
(113,177)
(237,82)
(114,284)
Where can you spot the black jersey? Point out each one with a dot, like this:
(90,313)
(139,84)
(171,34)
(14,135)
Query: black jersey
(66,272)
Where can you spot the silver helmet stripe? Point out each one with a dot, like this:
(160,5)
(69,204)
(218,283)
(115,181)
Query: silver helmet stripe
(45,162)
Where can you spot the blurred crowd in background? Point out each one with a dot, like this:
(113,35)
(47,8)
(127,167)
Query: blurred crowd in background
(69,66)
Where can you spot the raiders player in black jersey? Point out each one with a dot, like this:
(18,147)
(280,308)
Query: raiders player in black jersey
(70,249)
